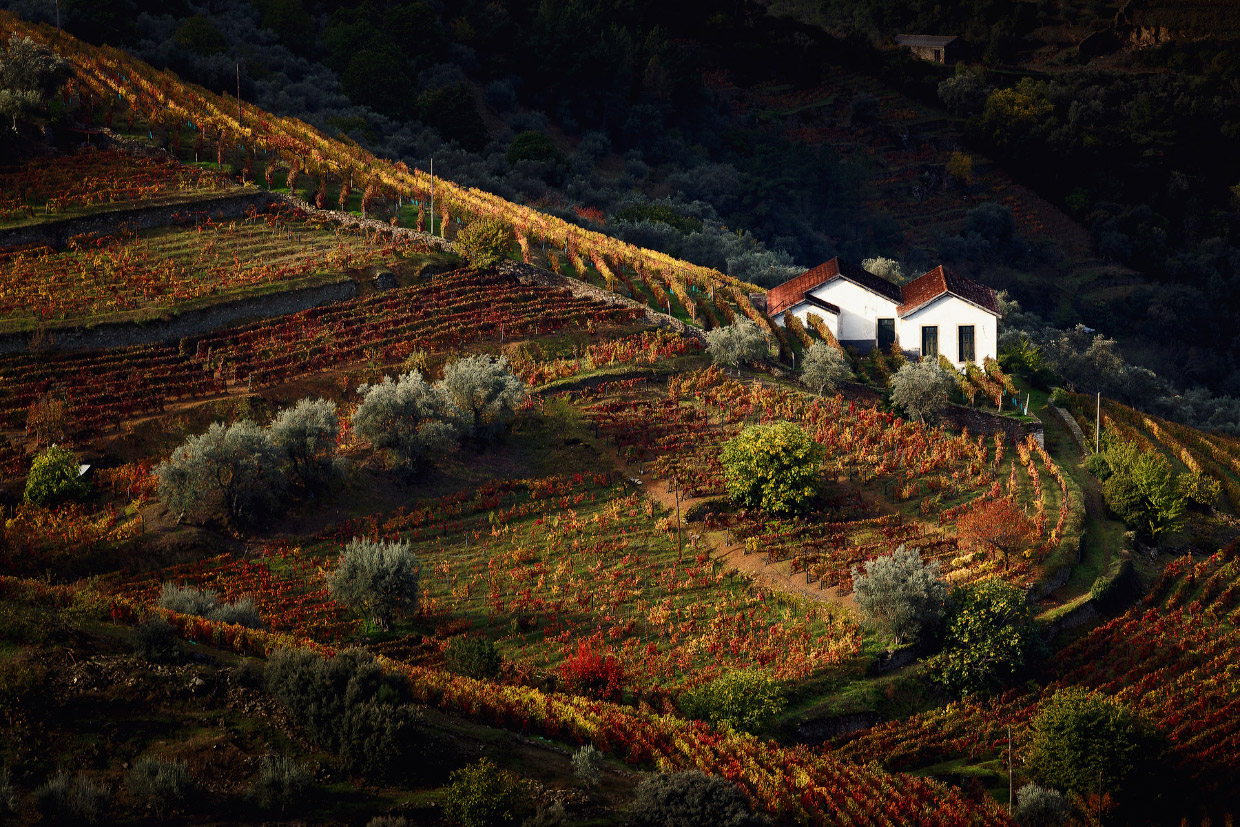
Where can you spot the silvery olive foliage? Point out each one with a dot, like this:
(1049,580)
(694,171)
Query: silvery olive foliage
(406,419)
(307,434)
(378,579)
(482,394)
(735,344)
(901,594)
(921,389)
(824,368)
(237,467)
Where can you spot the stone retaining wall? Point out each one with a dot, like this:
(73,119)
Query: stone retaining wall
(228,204)
(979,421)
(188,323)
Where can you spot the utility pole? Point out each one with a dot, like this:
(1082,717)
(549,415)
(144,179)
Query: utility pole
(238,93)
(57,15)
(680,543)
(1010,794)
(432,195)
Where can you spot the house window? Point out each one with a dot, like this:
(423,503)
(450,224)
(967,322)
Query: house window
(886,334)
(966,351)
(929,340)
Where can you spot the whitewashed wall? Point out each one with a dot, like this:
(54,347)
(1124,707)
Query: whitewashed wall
(860,309)
(948,313)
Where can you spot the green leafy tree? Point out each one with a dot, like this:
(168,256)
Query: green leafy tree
(379,579)
(1078,737)
(735,344)
(773,467)
(901,594)
(29,74)
(406,419)
(533,146)
(1013,115)
(307,434)
(476,657)
(691,799)
(990,638)
(921,389)
(482,392)
(483,795)
(748,701)
(484,242)
(54,477)
(237,467)
(824,368)
(1142,489)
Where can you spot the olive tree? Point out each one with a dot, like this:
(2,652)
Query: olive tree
(733,345)
(237,467)
(406,419)
(482,393)
(29,74)
(900,593)
(921,389)
(887,268)
(691,799)
(307,434)
(378,579)
(1038,806)
(824,368)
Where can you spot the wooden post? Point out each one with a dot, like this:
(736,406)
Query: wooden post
(432,195)
(1009,757)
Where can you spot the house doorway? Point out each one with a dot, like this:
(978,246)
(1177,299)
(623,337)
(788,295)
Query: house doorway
(886,334)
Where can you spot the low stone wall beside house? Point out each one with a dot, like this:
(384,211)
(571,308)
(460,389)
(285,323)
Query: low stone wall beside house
(979,421)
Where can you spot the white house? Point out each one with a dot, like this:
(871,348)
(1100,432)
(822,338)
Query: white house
(941,312)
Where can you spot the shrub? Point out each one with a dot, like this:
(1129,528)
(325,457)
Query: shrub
(9,799)
(691,799)
(306,433)
(1078,736)
(921,389)
(593,671)
(900,594)
(387,821)
(242,612)
(281,782)
(485,242)
(406,419)
(156,641)
(1040,807)
(532,145)
(160,785)
(483,795)
(482,393)
(378,579)
(187,600)
(886,268)
(237,467)
(1097,465)
(476,657)
(54,478)
(379,740)
(773,467)
(586,765)
(748,701)
(65,800)
(735,344)
(1199,488)
(824,368)
(990,637)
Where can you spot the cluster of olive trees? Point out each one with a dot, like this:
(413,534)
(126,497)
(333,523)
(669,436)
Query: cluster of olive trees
(409,420)
(244,470)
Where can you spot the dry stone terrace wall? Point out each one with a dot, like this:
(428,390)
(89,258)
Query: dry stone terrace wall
(56,234)
(187,324)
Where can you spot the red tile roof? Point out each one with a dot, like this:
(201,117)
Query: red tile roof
(926,288)
(792,292)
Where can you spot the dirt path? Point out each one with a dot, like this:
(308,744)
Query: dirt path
(716,543)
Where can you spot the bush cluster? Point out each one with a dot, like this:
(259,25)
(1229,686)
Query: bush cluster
(483,795)
(351,707)
(54,478)
(773,467)
(475,657)
(748,701)
(205,603)
(691,799)
(160,785)
(281,782)
(76,800)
